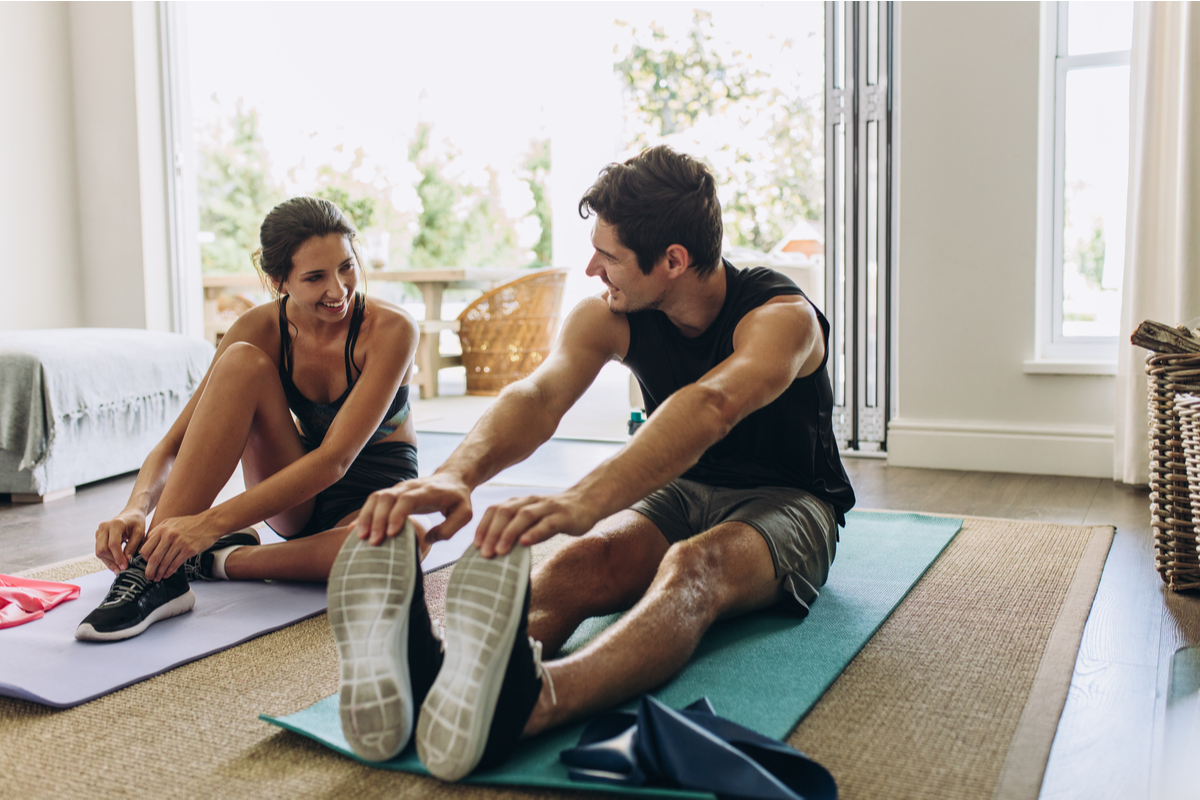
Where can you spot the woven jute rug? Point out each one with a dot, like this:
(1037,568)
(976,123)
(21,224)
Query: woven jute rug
(957,696)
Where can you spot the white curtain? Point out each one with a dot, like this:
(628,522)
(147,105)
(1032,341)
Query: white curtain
(1162,239)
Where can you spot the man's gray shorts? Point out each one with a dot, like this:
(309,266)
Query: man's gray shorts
(799,529)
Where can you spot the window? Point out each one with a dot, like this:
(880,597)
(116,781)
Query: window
(1084,165)
(443,163)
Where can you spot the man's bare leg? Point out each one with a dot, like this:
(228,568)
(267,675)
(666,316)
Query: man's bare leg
(605,571)
(723,572)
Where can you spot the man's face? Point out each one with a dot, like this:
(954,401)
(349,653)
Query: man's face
(629,289)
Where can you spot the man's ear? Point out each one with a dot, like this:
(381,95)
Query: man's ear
(678,259)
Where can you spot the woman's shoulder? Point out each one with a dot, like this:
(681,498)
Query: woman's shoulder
(388,316)
(259,325)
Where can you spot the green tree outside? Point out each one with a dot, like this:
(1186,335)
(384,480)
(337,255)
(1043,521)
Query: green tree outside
(536,169)
(235,191)
(458,224)
(439,241)
(1090,257)
(361,210)
(673,87)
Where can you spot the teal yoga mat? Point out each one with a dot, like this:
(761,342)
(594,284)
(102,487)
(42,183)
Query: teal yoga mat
(764,670)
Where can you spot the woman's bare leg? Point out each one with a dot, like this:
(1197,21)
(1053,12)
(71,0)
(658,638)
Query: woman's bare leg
(307,559)
(242,415)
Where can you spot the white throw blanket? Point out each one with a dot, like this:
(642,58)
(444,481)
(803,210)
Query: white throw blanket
(112,376)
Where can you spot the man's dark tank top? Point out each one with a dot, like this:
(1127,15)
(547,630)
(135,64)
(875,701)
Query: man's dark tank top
(787,443)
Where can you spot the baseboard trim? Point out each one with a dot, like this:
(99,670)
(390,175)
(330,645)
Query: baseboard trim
(48,497)
(1077,450)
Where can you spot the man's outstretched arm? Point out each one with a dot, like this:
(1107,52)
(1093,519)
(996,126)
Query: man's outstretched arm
(773,345)
(523,417)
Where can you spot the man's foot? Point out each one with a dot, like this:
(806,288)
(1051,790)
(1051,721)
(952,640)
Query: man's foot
(210,565)
(386,645)
(134,603)
(479,704)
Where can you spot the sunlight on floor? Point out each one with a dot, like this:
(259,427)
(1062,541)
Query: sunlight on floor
(602,413)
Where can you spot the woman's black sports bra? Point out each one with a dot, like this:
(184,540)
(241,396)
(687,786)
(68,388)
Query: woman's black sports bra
(315,418)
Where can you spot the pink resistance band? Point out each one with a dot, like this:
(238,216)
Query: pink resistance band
(25,599)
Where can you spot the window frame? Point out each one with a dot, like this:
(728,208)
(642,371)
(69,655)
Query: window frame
(1077,354)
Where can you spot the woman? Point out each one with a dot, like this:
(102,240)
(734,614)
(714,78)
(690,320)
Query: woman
(337,360)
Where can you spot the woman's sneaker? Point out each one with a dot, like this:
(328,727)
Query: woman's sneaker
(483,697)
(134,603)
(388,652)
(200,567)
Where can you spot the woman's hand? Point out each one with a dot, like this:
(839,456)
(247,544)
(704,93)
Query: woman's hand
(174,541)
(117,539)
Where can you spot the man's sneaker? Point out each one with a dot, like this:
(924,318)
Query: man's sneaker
(479,704)
(200,566)
(134,603)
(388,652)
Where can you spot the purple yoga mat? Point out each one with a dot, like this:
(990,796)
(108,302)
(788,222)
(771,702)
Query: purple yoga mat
(41,660)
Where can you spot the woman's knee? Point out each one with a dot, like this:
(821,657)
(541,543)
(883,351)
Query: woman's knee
(243,360)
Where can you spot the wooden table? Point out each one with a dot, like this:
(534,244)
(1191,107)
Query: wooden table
(432,282)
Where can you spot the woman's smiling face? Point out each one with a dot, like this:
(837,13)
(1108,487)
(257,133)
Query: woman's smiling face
(323,278)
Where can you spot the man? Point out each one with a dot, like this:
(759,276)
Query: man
(727,499)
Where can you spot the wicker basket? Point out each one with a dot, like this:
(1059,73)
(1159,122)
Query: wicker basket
(1188,407)
(507,333)
(1170,377)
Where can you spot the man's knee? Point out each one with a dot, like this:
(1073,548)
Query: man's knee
(594,572)
(722,572)
(582,564)
(692,574)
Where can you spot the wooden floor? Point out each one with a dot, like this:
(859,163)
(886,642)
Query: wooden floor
(1110,740)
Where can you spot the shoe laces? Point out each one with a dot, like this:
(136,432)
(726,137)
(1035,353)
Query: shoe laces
(192,568)
(539,669)
(130,582)
(439,632)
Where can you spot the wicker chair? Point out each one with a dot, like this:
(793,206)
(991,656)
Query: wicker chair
(507,332)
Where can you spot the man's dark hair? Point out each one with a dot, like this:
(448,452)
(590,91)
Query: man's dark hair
(656,199)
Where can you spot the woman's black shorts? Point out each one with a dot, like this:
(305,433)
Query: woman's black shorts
(378,466)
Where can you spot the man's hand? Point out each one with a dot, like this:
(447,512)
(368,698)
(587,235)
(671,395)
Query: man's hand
(118,539)
(529,520)
(383,514)
(174,541)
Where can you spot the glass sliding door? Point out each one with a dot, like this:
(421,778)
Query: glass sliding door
(858,192)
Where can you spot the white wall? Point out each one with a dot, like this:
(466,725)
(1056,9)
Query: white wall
(119,152)
(38,195)
(967,249)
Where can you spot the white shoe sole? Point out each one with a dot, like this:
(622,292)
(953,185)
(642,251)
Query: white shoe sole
(172,608)
(370,592)
(484,602)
